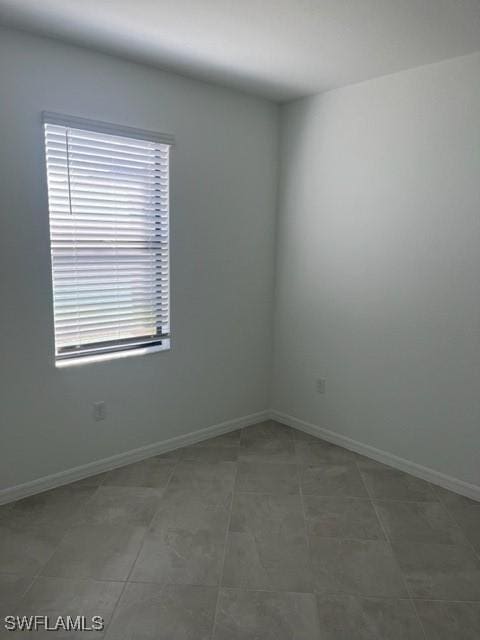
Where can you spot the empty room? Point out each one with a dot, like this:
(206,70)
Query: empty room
(240,319)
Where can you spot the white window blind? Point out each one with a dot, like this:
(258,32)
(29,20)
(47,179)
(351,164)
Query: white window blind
(108,194)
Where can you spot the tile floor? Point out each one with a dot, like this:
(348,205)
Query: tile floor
(261,534)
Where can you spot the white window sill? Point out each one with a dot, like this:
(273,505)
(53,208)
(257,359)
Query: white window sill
(115,355)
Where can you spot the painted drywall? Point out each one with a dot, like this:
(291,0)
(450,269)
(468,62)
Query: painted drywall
(378,278)
(222,249)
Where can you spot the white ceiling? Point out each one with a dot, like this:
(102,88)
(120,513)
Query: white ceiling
(281,49)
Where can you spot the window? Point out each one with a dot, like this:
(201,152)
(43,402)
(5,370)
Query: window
(108,197)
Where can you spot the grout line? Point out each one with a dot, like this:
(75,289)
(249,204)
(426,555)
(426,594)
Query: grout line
(389,543)
(307,540)
(404,578)
(406,598)
(38,574)
(140,548)
(451,514)
(215,615)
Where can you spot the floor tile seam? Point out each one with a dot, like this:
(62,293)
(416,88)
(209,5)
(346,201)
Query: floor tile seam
(346,538)
(32,580)
(83,579)
(305,462)
(255,438)
(447,601)
(112,615)
(211,445)
(275,494)
(308,542)
(247,458)
(364,484)
(222,587)
(309,547)
(163,492)
(343,499)
(401,500)
(402,574)
(449,515)
(282,463)
(39,572)
(140,548)
(434,499)
(225,542)
(393,598)
(337,496)
(368,499)
(452,519)
(476,552)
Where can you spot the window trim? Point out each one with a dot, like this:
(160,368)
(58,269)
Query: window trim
(96,352)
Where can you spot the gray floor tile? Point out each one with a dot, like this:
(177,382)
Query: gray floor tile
(32,528)
(55,507)
(261,477)
(220,453)
(174,612)
(450,620)
(229,439)
(263,513)
(55,597)
(468,519)
(332,480)
(90,481)
(453,500)
(356,567)
(102,552)
(322,452)
(390,484)
(465,512)
(24,549)
(267,546)
(12,588)
(181,557)
(153,472)
(439,571)
(211,483)
(269,429)
(419,522)
(267,450)
(120,505)
(342,518)
(185,545)
(369,463)
(303,436)
(191,512)
(354,618)
(258,615)
(275,562)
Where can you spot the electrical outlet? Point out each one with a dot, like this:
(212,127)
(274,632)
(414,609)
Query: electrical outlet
(321,385)
(99,411)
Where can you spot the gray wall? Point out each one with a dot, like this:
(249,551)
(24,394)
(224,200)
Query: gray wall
(223,207)
(379,264)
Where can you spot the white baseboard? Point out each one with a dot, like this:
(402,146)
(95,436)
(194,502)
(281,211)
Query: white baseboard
(134,455)
(425,473)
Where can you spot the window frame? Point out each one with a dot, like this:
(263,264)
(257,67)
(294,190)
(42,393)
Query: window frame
(108,349)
